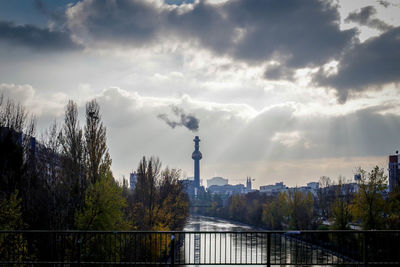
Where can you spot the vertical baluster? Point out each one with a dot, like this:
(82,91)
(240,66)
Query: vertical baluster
(269,249)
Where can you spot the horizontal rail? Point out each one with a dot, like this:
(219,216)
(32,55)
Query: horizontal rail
(174,232)
(309,247)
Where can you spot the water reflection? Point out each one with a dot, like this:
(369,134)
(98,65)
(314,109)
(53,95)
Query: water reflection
(216,248)
(237,248)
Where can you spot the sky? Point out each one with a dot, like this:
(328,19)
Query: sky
(277,90)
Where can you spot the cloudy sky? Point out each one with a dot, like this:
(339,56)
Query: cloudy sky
(277,90)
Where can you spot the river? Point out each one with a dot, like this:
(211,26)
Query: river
(204,223)
(233,248)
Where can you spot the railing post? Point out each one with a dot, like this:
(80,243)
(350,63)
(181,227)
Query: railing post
(268,249)
(172,250)
(79,250)
(365,249)
(52,241)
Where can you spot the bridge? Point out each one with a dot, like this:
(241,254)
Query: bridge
(177,248)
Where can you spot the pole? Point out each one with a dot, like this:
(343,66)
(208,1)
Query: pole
(79,250)
(172,250)
(269,249)
(365,249)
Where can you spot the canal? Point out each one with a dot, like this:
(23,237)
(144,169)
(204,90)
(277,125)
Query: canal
(230,248)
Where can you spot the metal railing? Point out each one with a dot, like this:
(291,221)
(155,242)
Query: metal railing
(331,248)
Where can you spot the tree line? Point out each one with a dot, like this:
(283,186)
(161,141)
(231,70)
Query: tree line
(64,180)
(334,206)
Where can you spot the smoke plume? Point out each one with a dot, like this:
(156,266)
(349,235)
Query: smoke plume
(182,119)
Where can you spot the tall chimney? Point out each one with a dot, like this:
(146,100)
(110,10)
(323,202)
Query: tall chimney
(196,156)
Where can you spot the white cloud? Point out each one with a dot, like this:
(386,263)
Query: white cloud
(44,107)
(289,139)
(217,1)
(20,93)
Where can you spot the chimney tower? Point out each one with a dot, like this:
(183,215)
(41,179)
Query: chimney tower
(196,156)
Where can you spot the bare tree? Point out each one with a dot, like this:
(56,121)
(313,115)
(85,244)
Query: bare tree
(71,139)
(1,110)
(14,116)
(72,143)
(50,171)
(18,148)
(324,196)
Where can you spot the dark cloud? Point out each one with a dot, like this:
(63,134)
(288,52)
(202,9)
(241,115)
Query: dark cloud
(35,38)
(57,15)
(365,17)
(187,120)
(253,31)
(384,3)
(178,2)
(296,34)
(127,22)
(277,72)
(367,65)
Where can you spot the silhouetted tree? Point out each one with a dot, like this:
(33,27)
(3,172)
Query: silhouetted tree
(17,170)
(74,184)
(51,173)
(14,116)
(96,153)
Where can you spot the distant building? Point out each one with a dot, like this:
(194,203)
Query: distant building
(350,188)
(394,172)
(248,184)
(216,181)
(313,185)
(271,189)
(133,180)
(227,189)
(305,189)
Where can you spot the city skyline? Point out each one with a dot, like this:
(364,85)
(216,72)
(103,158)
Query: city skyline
(274,90)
